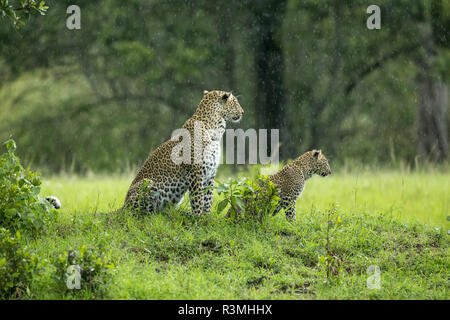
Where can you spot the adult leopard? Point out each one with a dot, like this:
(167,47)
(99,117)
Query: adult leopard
(163,180)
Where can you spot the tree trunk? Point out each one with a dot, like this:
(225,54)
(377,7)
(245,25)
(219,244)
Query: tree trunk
(269,67)
(224,22)
(433,100)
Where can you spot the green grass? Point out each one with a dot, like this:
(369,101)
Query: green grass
(424,197)
(393,220)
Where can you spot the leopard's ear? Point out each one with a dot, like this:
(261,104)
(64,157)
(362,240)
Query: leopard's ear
(316,153)
(225,96)
(205,92)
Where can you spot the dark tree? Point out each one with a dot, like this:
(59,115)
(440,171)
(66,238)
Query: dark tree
(267,17)
(432,131)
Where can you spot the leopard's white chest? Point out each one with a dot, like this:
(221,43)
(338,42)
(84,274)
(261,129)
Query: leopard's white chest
(213,150)
(211,159)
(300,190)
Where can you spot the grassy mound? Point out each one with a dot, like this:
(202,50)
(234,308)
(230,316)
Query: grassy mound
(324,255)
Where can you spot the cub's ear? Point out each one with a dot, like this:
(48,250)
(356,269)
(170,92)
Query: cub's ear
(225,97)
(316,153)
(205,92)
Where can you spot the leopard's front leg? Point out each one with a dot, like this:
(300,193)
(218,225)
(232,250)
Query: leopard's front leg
(289,205)
(290,212)
(195,191)
(208,196)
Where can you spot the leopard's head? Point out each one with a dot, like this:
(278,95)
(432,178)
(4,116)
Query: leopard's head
(222,104)
(319,163)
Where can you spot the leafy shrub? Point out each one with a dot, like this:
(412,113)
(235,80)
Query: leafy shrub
(21,208)
(255,200)
(83,266)
(17,266)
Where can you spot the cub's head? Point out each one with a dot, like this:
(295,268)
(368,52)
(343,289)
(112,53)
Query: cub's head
(319,163)
(221,103)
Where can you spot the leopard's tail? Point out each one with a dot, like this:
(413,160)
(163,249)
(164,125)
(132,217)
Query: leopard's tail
(54,201)
(116,211)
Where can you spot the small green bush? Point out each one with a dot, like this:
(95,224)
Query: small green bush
(17,266)
(21,208)
(255,199)
(89,267)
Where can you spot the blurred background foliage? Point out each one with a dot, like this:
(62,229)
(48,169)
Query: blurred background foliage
(102,97)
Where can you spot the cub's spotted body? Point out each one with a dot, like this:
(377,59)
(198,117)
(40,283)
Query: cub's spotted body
(161,180)
(291,179)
